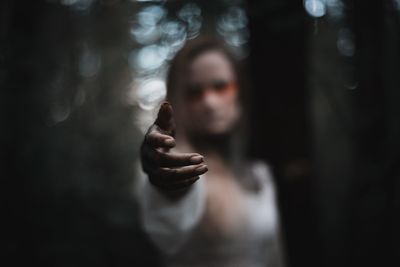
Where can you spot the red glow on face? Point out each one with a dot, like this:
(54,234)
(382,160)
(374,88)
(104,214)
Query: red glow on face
(220,88)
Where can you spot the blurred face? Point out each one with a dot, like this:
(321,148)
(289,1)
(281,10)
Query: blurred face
(210,103)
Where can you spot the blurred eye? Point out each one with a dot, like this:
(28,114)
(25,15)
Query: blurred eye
(194,93)
(220,85)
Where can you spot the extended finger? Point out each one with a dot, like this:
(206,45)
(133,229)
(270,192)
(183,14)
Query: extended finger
(182,173)
(165,118)
(156,139)
(170,159)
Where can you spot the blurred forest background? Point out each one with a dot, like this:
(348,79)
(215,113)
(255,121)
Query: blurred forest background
(80,80)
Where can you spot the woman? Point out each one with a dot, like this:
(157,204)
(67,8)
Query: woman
(220,214)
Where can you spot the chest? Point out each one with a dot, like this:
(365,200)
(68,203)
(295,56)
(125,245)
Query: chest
(232,211)
(225,212)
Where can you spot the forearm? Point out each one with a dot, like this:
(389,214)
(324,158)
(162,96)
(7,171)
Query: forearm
(169,219)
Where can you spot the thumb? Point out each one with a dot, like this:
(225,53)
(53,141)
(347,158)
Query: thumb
(165,119)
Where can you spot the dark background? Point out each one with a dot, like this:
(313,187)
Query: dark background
(330,123)
(327,122)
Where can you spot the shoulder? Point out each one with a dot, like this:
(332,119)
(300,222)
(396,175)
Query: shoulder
(261,171)
(257,175)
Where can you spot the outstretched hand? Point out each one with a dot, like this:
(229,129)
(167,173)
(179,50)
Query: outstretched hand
(167,170)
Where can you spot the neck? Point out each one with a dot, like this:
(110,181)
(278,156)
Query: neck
(212,145)
(220,149)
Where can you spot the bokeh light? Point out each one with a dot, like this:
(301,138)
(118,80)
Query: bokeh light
(397,4)
(191,14)
(315,8)
(335,9)
(345,42)
(232,26)
(174,34)
(151,92)
(148,58)
(60,111)
(89,63)
(160,30)
(78,5)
